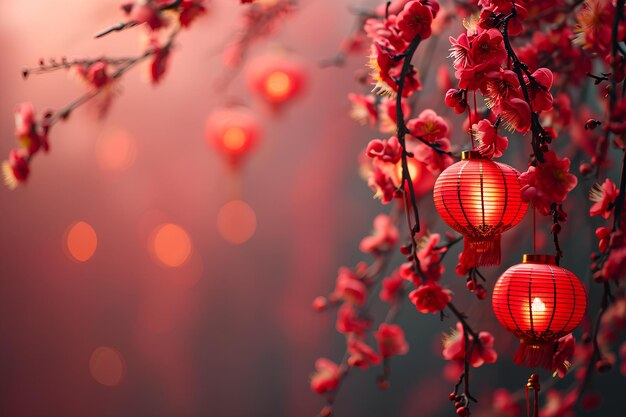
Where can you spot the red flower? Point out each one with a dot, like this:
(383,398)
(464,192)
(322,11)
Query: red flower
(490,144)
(326,376)
(95,75)
(146,11)
(192,9)
(547,183)
(348,321)
(428,126)
(603,197)
(564,352)
(391,340)
(430,258)
(454,347)
(488,47)
(454,99)
(415,20)
(361,354)
(430,298)
(350,288)
(539,90)
(16,169)
(387,114)
(500,86)
(384,237)
(29,134)
(515,114)
(158,65)
(385,150)
(460,51)
(363,109)
(391,287)
(615,265)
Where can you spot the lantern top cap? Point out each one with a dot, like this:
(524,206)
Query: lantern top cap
(465,155)
(538,259)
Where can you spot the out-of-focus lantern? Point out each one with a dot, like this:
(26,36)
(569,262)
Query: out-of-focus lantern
(234,132)
(480,199)
(276,78)
(539,302)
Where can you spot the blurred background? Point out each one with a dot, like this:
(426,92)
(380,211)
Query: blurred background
(131,284)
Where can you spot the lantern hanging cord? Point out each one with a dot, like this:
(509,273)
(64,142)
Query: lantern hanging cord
(534,231)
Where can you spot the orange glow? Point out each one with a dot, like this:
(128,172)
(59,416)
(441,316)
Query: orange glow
(170,244)
(81,241)
(414,170)
(278,84)
(116,151)
(107,366)
(236,222)
(234,138)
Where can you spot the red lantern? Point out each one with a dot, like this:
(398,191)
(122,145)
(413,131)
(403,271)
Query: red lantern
(275,78)
(539,302)
(234,132)
(480,199)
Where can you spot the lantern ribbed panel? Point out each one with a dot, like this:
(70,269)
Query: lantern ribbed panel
(539,302)
(480,199)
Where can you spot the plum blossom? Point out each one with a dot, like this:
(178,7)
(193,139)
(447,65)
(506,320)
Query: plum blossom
(15,170)
(363,109)
(349,288)
(548,182)
(415,20)
(326,376)
(428,126)
(504,402)
(385,150)
(392,287)
(490,144)
(563,354)
(430,257)
(430,297)
(361,354)
(603,197)
(480,353)
(349,320)
(391,340)
(384,237)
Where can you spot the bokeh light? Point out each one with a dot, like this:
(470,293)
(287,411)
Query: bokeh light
(107,366)
(236,222)
(234,138)
(170,244)
(278,85)
(116,150)
(81,241)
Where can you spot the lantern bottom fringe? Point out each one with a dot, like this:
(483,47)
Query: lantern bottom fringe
(533,354)
(481,251)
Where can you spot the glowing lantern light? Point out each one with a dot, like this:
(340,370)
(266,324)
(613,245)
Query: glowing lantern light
(539,302)
(276,78)
(480,199)
(234,132)
(421,177)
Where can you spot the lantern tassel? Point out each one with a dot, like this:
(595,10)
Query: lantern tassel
(481,251)
(533,355)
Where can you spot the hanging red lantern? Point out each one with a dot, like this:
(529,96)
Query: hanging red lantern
(539,302)
(480,199)
(234,132)
(277,79)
